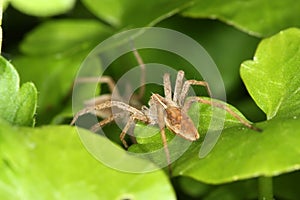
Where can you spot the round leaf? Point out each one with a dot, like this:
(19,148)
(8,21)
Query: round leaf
(273,76)
(17,105)
(51,163)
(43,8)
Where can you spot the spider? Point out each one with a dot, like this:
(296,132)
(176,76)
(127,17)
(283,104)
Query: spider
(166,112)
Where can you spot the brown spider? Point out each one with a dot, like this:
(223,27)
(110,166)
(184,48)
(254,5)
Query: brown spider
(168,111)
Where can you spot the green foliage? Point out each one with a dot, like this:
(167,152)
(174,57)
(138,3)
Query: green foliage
(17,104)
(272,77)
(236,149)
(131,13)
(63,36)
(50,162)
(53,69)
(43,8)
(261,18)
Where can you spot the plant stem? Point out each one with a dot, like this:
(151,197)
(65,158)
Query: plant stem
(265,188)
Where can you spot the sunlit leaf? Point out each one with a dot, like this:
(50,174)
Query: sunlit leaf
(17,104)
(43,8)
(272,80)
(272,77)
(242,153)
(257,17)
(51,163)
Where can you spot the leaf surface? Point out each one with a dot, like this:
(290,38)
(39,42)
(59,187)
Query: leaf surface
(135,13)
(17,104)
(256,17)
(43,8)
(51,163)
(272,77)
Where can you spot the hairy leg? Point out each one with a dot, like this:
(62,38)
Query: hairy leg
(178,85)
(110,104)
(161,124)
(105,121)
(167,86)
(129,123)
(223,106)
(186,87)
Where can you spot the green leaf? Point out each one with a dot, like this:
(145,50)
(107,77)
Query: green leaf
(201,114)
(17,104)
(273,76)
(135,13)
(244,153)
(67,35)
(54,77)
(43,8)
(207,117)
(257,17)
(228,56)
(272,80)
(5,4)
(53,69)
(110,11)
(51,163)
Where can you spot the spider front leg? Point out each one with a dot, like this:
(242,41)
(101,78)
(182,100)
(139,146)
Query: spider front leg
(186,87)
(135,114)
(105,121)
(191,100)
(110,104)
(160,107)
(178,85)
(129,123)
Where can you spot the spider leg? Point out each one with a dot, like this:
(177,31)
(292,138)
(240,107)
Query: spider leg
(222,106)
(97,100)
(143,73)
(103,79)
(161,124)
(186,87)
(167,87)
(178,85)
(105,121)
(125,130)
(109,104)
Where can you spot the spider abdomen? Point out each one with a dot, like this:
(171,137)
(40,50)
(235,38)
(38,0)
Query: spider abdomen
(181,124)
